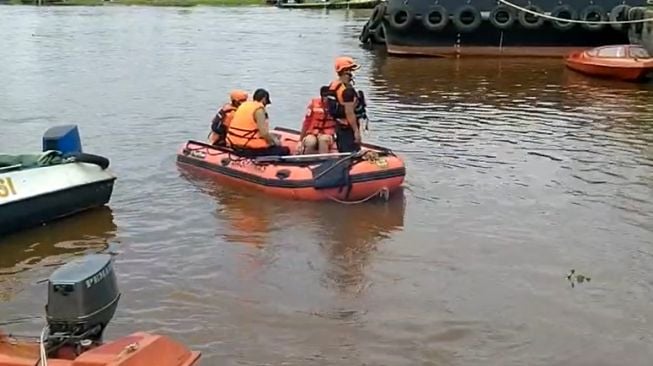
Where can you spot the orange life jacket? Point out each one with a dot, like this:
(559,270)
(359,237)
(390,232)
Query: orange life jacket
(227,113)
(243,132)
(318,121)
(338,87)
(223,117)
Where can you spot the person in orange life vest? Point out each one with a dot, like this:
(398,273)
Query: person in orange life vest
(223,118)
(343,102)
(249,130)
(318,128)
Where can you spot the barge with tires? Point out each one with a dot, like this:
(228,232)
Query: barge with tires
(446,28)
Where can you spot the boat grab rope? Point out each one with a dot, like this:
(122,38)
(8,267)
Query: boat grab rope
(43,355)
(565,20)
(207,151)
(362,155)
(383,193)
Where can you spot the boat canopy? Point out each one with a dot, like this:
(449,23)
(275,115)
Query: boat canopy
(619,51)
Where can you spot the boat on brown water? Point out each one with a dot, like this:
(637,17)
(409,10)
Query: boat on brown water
(624,62)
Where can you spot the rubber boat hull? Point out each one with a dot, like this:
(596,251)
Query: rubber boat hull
(44,194)
(299,180)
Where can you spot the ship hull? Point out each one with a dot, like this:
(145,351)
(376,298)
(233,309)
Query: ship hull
(417,28)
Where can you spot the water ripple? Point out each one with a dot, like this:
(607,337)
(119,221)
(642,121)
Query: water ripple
(518,171)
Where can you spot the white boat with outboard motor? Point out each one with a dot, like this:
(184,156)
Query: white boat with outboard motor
(57,182)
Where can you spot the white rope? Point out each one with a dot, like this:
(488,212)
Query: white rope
(573,20)
(44,355)
(383,193)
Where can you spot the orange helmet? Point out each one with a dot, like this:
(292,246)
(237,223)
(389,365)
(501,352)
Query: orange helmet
(238,95)
(345,63)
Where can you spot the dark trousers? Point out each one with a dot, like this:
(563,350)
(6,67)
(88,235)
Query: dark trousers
(272,150)
(345,140)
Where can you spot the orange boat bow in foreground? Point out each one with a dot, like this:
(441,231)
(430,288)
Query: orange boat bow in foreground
(82,298)
(623,62)
(134,350)
(377,171)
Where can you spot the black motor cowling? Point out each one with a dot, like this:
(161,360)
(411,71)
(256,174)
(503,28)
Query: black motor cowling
(82,298)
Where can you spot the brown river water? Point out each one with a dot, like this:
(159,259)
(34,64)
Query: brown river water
(517,172)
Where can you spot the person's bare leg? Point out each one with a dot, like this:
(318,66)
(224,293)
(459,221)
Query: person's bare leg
(310,144)
(324,143)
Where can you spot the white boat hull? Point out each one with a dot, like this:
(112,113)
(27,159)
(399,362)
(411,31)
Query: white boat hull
(32,197)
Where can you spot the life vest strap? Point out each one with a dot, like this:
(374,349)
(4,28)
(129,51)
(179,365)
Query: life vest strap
(245,133)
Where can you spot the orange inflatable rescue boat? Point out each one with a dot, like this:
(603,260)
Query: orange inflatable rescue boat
(374,171)
(82,299)
(624,62)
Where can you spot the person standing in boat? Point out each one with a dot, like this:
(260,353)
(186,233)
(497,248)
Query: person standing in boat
(344,103)
(318,128)
(223,118)
(249,130)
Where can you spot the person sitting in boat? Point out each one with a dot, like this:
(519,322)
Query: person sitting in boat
(249,130)
(318,128)
(223,118)
(346,106)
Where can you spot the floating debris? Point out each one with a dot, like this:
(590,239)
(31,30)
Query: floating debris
(574,278)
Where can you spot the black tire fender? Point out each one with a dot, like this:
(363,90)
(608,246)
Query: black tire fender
(364,37)
(635,13)
(436,10)
(466,27)
(379,34)
(377,15)
(619,13)
(502,10)
(401,18)
(593,9)
(523,20)
(561,9)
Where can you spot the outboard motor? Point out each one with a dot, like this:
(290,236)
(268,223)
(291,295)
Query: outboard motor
(82,299)
(64,138)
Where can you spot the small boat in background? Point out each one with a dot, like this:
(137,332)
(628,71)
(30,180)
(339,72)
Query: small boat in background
(59,182)
(82,299)
(374,171)
(626,62)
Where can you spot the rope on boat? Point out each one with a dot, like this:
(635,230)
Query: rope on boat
(44,355)
(207,150)
(574,20)
(383,193)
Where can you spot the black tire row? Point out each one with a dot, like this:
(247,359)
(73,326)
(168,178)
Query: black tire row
(374,30)
(467,18)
